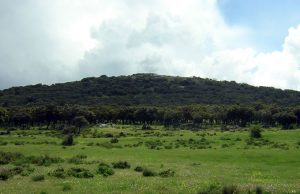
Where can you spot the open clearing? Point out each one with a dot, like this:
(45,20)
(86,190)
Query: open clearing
(201,160)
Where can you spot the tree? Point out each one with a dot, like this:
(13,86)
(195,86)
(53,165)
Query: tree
(286,119)
(3,116)
(79,122)
(255,132)
(68,140)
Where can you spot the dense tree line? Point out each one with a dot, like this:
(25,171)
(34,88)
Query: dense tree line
(171,116)
(146,89)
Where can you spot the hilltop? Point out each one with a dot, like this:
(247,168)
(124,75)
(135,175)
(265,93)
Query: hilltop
(146,89)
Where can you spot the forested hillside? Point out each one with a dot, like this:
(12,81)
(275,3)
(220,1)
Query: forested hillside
(146,89)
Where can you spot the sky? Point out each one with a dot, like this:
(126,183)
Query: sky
(248,41)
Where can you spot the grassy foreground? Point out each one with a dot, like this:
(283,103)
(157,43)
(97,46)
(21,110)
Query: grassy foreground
(205,161)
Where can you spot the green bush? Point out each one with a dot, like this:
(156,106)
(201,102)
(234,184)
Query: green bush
(167,173)
(230,189)
(38,178)
(78,159)
(7,157)
(105,170)
(114,140)
(148,172)
(58,173)
(139,169)
(121,165)
(80,173)
(68,140)
(255,133)
(258,190)
(5,174)
(66,187)
(44,160)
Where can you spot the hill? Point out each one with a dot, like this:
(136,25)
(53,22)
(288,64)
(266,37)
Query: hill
(146,89)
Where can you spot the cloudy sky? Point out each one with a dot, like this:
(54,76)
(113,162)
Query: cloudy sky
(250,41)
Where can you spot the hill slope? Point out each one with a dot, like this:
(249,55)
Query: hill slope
(146,89)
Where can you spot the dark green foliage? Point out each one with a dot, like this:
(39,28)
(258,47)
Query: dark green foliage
(7,157)
(121,165)
(68,140)
(79,122)
(66,187)
(38,178)
(80,173)
(105,170)
(147,89)
(5,173)
(167,173)
(255,132)
(139,169)
(148,173)
(58,173)
(114,140)
(78,159)
(230,189)
(44,160)
(258,190)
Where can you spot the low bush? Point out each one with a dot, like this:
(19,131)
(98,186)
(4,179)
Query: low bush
(38,178)
(121,165)
(114,140)
(7,157)
(258,190)
(230,189)
(139,169)
(66,187)
(44,160)
(255,132)
(68,140)
(78,159)
(105,170)
(148,172)
(27,171)
(5,174)
(167,173)
(58,173)
(80,173)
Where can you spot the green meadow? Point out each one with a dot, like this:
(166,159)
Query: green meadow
(179,161)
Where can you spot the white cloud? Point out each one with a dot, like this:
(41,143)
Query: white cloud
(61,40)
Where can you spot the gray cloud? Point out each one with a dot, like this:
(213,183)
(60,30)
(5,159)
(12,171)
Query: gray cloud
(61,40)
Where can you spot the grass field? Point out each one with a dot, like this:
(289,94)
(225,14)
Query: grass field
(203,161)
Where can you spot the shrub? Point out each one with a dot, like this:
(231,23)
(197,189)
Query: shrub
(167,173)
(17,170)
(44,160)
(7,157)
(105,170)
(114,140)
(229,189)
(258,190)
(66,187)
(58,173)
(255,132)
(68,140)
(78,159)
(121,165)
(5,174)
(80,173)
(38,178)
(27,171)
(148,172)
(139,169)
